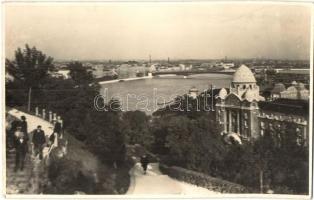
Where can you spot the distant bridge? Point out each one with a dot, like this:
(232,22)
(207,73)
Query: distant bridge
(186,73)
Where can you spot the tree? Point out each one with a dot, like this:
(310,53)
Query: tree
(137,128)
(30,68)
(79,73)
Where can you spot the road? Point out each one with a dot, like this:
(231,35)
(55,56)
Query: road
(154,182)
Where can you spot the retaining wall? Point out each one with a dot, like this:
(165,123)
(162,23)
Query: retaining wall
(203,180)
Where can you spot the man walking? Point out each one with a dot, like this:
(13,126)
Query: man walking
(21,147)
(57,128)
(144,163)
(39,140)
(24,124)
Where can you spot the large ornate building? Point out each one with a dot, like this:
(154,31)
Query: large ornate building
(242,112)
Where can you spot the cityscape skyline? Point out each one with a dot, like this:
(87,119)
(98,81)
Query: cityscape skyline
(184,30)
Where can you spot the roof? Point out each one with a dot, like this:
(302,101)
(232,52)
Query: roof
(286,106)
(243,75)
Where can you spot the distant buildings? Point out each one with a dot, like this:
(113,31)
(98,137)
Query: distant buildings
(294,91)
(61,73)
(244,115)
(226,65)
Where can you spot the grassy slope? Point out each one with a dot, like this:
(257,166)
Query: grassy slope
(112,181)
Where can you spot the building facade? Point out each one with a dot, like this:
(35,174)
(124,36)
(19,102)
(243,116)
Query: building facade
(243,114)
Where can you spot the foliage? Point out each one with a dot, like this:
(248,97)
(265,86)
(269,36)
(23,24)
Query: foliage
(30,66)
(137,128)
(66,177)
(29,69)
(279,156)
(79,74)
(178,136)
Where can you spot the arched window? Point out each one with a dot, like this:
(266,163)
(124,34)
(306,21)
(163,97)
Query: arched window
(245,116)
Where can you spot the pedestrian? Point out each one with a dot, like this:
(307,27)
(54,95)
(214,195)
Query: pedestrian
(10,137)
(39,140)
(53,139)
(144,162)
(57,128)
(21,148)
(24,124)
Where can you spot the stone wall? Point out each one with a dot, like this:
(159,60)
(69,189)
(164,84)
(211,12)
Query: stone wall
(203,180)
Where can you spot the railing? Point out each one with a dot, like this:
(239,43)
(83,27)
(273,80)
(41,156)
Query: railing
(50,117)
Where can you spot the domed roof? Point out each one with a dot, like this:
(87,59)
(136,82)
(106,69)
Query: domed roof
(243,75)
(222,93)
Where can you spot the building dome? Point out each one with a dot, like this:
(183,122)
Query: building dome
(243,75)
(222,93)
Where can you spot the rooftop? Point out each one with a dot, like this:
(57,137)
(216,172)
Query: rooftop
(243,75)
(286,106)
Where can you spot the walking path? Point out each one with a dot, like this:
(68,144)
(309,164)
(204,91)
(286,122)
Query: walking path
(154,182)
(33,121)
(19,182)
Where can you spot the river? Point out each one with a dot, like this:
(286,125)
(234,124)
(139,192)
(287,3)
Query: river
(148,94)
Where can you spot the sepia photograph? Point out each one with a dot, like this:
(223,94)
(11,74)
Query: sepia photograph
(157,99)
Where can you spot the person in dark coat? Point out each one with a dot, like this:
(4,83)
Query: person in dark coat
(57,128)
(39,140)
(21,148)
(24,124)
(10,137)
(144,163)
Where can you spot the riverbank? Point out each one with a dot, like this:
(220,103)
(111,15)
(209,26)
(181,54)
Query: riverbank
(125,79)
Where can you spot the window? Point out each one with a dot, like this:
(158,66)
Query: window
(262,125)
(270,126)
(245,115)
(245,124)
(262,132)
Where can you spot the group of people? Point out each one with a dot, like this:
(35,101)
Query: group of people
(18,140)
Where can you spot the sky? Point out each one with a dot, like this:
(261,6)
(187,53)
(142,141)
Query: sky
(176,30)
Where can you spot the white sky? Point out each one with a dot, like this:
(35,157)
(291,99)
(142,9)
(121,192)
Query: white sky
(175,30)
